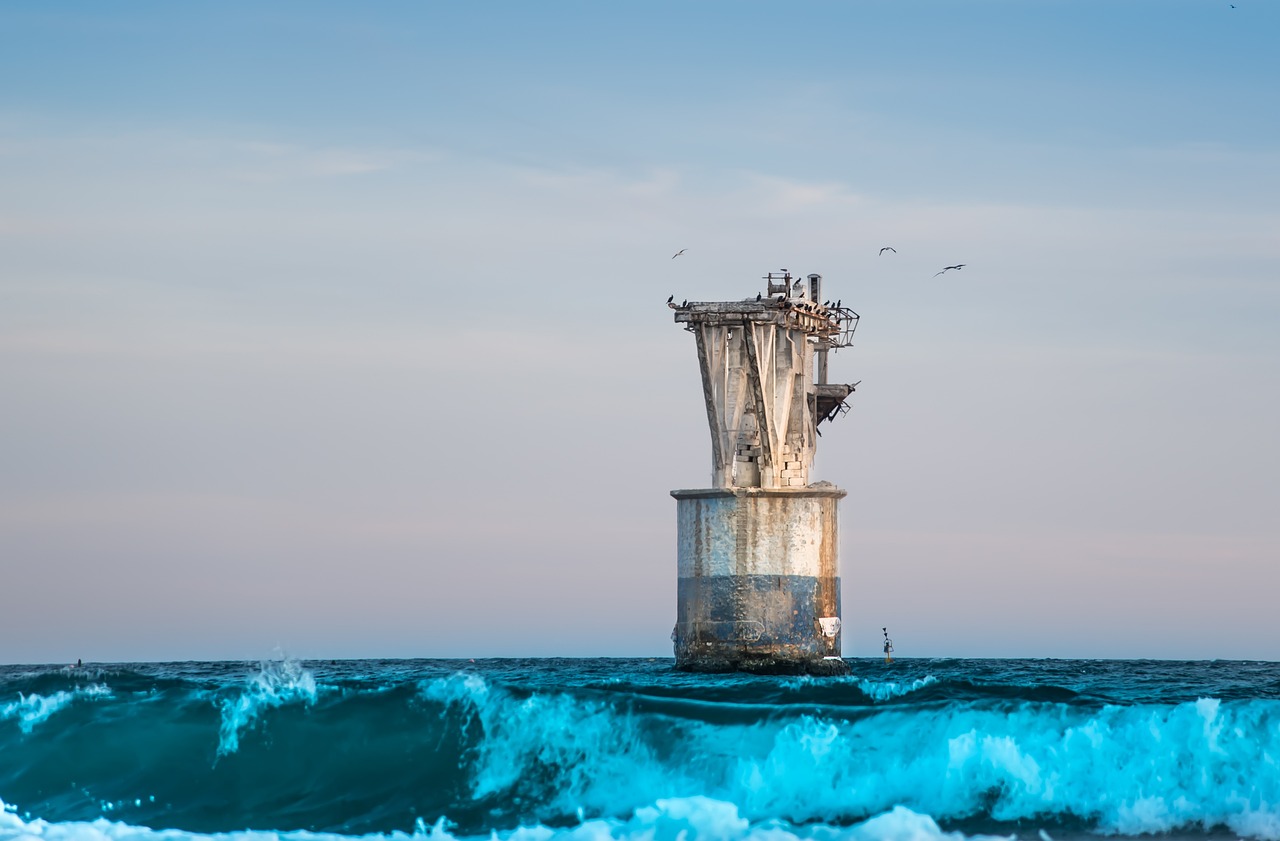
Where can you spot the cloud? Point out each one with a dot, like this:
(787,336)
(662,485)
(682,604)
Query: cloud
(774,195)
(266,162)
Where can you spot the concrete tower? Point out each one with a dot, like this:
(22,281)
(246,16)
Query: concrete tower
(759,584)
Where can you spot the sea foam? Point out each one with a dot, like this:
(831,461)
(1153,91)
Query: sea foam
(1143,769)
(32,709)
(674,819)
(277,682)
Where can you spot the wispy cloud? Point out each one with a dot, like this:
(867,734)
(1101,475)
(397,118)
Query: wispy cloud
(772,194)
(264,161)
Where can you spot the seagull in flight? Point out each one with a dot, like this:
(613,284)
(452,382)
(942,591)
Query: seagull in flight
(888,248)
(678,253)
(958,266)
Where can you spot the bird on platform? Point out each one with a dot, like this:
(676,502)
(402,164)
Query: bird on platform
(685,304)
(757,296)
(957,267)
(888,248)
(672,298)
(678,253)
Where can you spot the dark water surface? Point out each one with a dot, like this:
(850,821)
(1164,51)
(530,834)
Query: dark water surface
(535,750)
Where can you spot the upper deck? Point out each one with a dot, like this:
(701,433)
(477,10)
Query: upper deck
(793,306)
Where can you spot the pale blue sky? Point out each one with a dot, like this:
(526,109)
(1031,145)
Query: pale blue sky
(339,328)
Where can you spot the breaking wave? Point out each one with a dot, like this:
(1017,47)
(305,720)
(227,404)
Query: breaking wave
(923,756)
(30,710)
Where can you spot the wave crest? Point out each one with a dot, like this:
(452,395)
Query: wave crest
(278,682)
(1144,769)
(32,709)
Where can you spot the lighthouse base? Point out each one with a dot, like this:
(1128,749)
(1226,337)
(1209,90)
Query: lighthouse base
(758,588)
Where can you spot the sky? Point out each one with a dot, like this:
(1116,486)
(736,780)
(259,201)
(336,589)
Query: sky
(339,329)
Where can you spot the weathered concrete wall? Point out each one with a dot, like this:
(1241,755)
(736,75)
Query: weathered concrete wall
(759,585)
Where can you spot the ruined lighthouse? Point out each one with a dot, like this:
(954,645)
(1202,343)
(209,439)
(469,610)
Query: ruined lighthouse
(759,583)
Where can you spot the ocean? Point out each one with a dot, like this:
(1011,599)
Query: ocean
(631,750)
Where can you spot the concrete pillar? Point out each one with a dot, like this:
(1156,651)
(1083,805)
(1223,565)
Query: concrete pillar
(759,585)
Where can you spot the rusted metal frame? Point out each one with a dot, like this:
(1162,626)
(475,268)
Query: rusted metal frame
(764,417)
(713,417)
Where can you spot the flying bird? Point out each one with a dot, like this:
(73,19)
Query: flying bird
(958,266)
(678,253)
(888,248)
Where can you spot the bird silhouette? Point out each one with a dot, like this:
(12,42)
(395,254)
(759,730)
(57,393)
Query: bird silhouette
(678,253)
(957,267)
(672,298)
(888,248)
(757,296)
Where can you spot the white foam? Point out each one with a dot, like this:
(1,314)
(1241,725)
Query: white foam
(1133,770)
(885,690)
(876,690)
(278,682)
(1129,769)
(30,710)
(672,819)
(587,754)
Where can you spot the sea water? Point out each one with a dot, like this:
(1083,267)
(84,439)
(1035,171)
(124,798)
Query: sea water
(596,750)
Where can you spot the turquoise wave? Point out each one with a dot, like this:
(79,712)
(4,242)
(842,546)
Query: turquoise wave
(465,750)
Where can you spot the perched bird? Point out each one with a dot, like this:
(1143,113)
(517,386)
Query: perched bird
(757,296)
(888,248)
(686,303)
(678,253)
(958,266)
(672,298)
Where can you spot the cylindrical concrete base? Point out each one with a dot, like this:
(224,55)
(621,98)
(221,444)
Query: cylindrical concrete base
(759,586)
